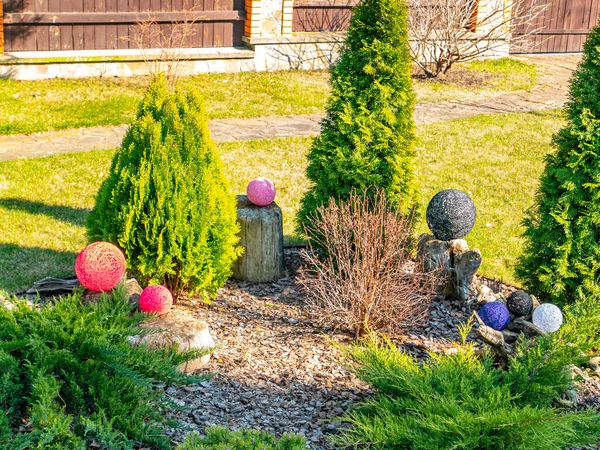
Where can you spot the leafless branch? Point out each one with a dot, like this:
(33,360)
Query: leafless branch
(445,32)
(363,278)
(165,47)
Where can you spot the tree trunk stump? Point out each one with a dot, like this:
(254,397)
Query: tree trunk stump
(261,236)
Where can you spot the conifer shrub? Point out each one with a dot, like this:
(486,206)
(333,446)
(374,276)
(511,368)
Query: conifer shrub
(68,377)
(367,138)
(466,401)
(217,438)
(166,202)
(561,258)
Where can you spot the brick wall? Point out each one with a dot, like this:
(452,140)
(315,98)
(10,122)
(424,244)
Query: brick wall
(1,30)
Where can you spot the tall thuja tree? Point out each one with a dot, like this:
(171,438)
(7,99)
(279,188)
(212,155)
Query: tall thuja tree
(166,202)
(367,138)
(561,258)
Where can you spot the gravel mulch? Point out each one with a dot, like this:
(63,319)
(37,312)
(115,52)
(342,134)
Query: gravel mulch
(277,371)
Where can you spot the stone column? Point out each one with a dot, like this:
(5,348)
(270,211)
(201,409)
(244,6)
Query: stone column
(288,17)
(268,18)
(491,13)
(252,23)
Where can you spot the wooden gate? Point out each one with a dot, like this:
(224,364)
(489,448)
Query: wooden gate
(38,25)
(564,26)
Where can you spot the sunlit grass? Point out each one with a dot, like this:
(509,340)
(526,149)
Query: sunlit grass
(497,159)
(45,105)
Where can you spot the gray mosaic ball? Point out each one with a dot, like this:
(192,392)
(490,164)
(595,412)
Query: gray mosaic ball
(519,303)
(450,215)
(547,317)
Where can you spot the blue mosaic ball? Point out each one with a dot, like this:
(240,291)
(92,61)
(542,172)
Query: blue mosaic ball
(495,315)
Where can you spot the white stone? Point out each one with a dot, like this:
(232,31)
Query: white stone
(181,328)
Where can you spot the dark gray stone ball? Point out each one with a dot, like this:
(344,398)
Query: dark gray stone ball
(519,303)
(450,215)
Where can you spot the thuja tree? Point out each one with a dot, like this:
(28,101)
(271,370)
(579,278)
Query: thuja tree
(367,137)
(166,202)
(562,253)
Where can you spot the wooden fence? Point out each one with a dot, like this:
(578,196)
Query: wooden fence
(564,26)
(322,15)
(38,25)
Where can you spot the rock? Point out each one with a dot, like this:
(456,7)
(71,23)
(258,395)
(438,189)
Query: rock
(133,290)
(519,303)
(461,274)
(485,294)
(178,327)
(433,253)
(452,258)
(7,304)
(450,215)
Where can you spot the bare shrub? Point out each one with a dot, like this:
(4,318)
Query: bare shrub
(165,47)
(360,276)
(445,32)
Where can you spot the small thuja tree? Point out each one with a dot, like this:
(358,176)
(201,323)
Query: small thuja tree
(166,202)
(562,250)
(367,137)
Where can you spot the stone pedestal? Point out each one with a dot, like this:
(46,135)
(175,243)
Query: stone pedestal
(454,259)
(261,236)
(181,329)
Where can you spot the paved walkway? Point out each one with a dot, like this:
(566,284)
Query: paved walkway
(550,93)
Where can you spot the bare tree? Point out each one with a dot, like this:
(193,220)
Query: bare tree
(362,278)
(445,32)
(165,46)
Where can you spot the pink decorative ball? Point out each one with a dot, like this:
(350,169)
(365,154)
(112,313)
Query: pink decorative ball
(261,191)
(156,299)
(100,266)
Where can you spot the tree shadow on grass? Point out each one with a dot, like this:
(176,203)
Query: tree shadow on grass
(21,266)
(76,216)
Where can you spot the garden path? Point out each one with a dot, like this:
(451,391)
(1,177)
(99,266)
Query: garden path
(551,93)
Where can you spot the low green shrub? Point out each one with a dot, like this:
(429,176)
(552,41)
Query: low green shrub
(68,377)
(464,401)
(221,439)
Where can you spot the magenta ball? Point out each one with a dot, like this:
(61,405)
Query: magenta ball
(100,266)
(261,191)
(156,299)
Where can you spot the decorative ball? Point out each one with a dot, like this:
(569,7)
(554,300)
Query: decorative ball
(547,317)
(156,299)
(519,303)
(100,266)
(495,315)
(261,191)
(450,215)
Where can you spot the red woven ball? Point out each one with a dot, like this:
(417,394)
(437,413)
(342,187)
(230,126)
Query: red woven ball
(156,299)
(100,266)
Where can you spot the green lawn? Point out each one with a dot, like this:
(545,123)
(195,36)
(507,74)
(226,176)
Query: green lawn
(34,106)
(497,159)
